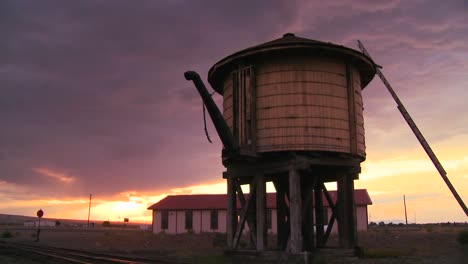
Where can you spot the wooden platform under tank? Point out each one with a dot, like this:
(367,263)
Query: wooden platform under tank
(328,166)
(299,180)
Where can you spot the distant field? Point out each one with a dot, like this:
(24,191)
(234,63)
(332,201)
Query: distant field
(19,220)
(380,245)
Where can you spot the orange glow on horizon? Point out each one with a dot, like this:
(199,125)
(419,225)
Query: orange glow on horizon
(386,179)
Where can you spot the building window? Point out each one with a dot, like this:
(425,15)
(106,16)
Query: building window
(214,220)
(268,216)
(164,219)
(188,220)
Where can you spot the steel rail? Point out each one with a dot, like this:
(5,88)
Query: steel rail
(82,257)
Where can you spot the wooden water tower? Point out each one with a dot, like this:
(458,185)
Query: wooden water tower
(292,115)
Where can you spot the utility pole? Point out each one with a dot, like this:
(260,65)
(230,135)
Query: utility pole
(39,213)
(89,208)
(406,216)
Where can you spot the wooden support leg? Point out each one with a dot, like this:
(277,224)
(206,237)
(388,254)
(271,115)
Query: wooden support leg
(252,215)
(308,217)
(295,211)
(231,211)
(346,212)
(261,212)
(281,224)
(319,214)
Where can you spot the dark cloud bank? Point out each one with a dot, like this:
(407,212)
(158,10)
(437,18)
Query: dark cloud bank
(94,89)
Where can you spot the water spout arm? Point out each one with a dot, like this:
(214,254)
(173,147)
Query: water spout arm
(230,144)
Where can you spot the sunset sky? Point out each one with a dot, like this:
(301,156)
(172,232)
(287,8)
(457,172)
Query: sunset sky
(93,99)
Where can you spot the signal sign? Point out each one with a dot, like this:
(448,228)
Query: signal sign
(40,213)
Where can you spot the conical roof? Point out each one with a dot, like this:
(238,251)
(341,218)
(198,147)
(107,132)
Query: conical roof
(290,42)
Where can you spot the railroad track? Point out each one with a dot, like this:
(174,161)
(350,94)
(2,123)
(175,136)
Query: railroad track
(41,254)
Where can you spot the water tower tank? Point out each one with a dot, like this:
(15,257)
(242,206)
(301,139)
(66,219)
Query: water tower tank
(295,94)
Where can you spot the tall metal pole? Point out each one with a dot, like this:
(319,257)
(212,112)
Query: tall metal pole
(418,134)
(89,208)
(406,216)
(39,214)
(38,230)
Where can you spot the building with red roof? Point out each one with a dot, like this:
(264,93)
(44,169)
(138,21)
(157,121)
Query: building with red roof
(197,213)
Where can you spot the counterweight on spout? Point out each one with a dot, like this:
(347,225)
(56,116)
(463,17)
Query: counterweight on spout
(230,144)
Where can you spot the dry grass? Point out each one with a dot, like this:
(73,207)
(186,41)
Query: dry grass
(424,244)
(121,241)
(383,245)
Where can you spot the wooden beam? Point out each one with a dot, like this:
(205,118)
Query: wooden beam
(295,210)
(243,218)
(329,228)
(252,214)
(250,221)
(325,166)
(307,217)
(328,197)
(346,212)
(351,110)
(333,207)
(281,213)
(231,211)
(261,213)
(319,215)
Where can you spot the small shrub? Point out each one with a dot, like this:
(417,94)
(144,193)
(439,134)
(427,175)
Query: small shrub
(377,253)
(7,234)
(243,244)
(462,237)
(106,224)
(57,223)
(219,240)
(209,259)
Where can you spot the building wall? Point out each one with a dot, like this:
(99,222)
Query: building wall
(180,228)
(172,223)
(197,221)
(43,224)
(362,218)
(222,223)
(274,222)
(156,222)
(202,221)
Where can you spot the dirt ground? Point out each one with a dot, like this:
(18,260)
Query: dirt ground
(423,244)
(380,245)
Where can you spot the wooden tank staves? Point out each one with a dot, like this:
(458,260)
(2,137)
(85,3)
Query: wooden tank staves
(294,94)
